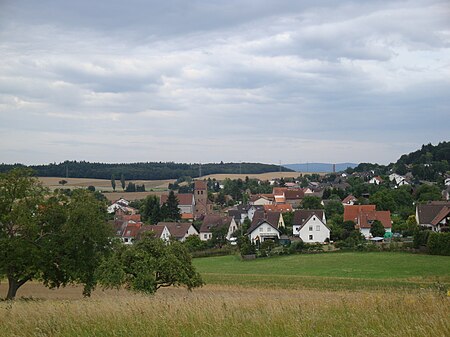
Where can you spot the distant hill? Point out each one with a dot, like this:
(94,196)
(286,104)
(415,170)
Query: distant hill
(143,171)
(319,167)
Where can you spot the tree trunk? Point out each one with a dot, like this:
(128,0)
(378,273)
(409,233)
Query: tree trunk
(13,286)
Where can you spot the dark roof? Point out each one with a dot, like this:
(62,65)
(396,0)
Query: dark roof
(294,194)
(157,229)
(213,220)
(428,212)
(177,229)
(301,216)
(256,224)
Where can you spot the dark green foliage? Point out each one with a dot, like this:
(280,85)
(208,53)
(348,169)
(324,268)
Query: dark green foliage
(245,246)
(428,192)
(194,244)
(122,181)
(170,210)
(150,210)
(334,207)
(377,229)
(143,171)
(311,202)
(149,265)
(420,237)
(91,188)
(439,243)
(113,182)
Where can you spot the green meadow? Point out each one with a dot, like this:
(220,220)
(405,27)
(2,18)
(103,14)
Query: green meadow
(332,271)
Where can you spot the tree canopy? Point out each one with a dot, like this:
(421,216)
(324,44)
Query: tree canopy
(49,237)
(148,265)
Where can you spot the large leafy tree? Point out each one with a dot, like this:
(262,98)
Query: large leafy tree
(48,237)
(311,202)
(150,210)
(377,229)
(148,265)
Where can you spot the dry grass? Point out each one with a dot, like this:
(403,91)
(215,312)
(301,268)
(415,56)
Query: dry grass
(227,311)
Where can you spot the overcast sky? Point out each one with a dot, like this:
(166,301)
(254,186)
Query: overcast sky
(190,81)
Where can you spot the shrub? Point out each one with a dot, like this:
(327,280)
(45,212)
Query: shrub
(420,238)
(439,243)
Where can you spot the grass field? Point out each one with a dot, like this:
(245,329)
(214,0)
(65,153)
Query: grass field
(252,298)
(334,271)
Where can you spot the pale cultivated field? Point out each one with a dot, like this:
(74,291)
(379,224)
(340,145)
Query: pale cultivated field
(260,176)
(101,184)
(130,196)
(225,311)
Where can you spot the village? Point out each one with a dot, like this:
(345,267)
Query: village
(312,209)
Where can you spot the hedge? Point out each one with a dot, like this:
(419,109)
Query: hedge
(439,243)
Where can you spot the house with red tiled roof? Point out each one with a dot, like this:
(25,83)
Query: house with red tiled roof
(130,232)
(434,215)
(376,180)
(365,215)
(261,199)
(186,203)
(282,208)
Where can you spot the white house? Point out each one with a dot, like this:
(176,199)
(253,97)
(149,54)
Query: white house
(180,230)
(376,180)
(259,200)
(160,232)
(310,226)
(212,221)
(447,182)
(263,231)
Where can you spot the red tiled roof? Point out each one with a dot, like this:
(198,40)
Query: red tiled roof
(293,194)
(187,216)
(157,229)
(351,212)
(278,208)
(348,198)
(366,218)
(200,185)
(132,229)
(183,198)
(130,217)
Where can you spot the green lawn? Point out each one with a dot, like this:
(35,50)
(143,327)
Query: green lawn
(330,270)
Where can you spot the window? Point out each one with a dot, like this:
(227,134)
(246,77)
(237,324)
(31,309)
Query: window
(205,236)
(310,237)
(310,228)
(260,229)
(318,228)
(269,229)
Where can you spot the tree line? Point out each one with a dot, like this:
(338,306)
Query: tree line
(142,171)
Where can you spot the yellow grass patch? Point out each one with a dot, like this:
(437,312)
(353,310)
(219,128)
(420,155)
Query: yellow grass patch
(228,311)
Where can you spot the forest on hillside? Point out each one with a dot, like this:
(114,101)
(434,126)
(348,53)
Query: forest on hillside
(144,171)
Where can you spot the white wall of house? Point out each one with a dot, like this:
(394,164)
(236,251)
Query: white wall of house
(261,201)
(165,235)
(232,228)
(186,209)
(205,236)
(366,232)
(191,231)
(264,231)
(251,212)
(314,230)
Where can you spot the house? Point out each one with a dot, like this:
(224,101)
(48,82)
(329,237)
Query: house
(376,180)
(310,226)
(160,232)
(118,204)
(252,209)
(447,182)
(262,231)
(260,199)
(365,215)
(239,213)
(349,200)
(130,232)
(186,204)
(180,230)
(434,215)
(274,218)
(293,196)
(282,208)
(398,180)
(214,221)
